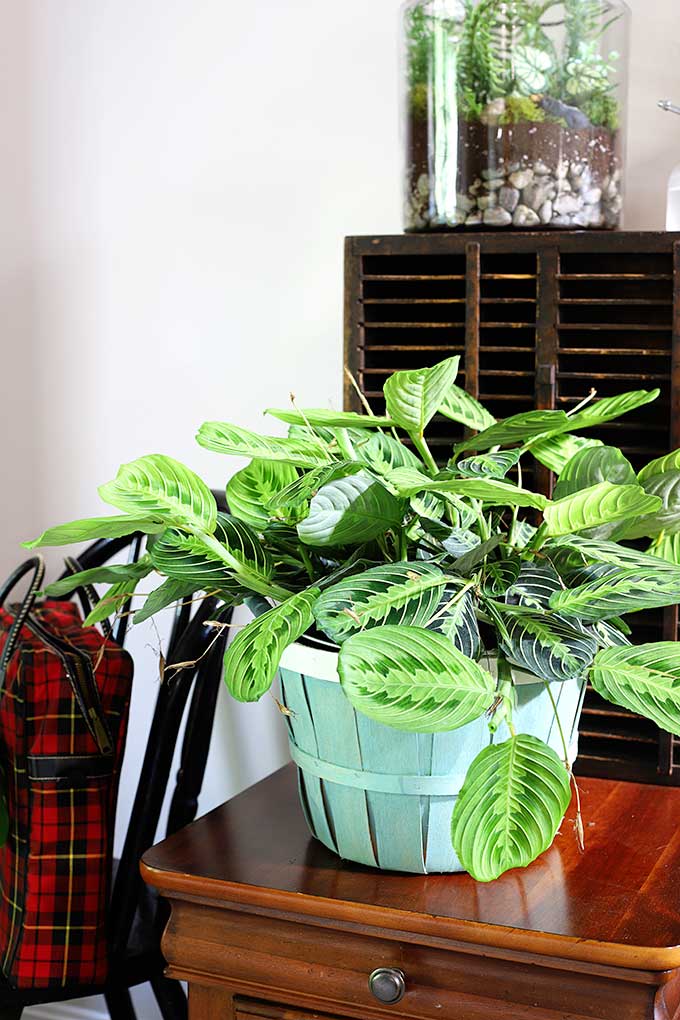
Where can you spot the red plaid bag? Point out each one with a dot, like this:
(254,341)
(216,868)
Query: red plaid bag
(64,701)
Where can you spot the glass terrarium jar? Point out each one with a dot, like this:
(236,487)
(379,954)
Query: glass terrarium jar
(514,113)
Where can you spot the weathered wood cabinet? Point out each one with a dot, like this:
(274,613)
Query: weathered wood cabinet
(267,923)
(538,319)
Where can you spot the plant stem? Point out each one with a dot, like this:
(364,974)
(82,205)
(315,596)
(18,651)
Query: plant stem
(344,444)
(559,725)
(423,449)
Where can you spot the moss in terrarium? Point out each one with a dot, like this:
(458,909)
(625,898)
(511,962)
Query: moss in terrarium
(603,110)
(418,96)
(522,108)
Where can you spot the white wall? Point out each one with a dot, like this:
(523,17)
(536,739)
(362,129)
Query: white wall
(176,178)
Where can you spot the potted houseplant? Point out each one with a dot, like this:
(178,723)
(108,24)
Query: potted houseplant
(434,626)
(513,113)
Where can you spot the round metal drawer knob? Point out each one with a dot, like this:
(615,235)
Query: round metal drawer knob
(387,984)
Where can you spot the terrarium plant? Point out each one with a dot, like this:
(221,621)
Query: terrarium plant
(436,589)
(513,112)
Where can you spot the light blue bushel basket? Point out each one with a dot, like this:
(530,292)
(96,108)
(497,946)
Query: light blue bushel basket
(378,796)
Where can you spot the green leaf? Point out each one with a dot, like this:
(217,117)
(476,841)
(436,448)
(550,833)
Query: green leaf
(489,465)
(395,593)
(644,679)
(593,465)
(413,679)
(469,560)
(556,452)
(671,462)
(517,429)
(546,647)
(111,602)
(600,551)
(92,528)
(667,487)
(101,575)
(460,541)
(456,619)
(160,487)
(609,408)
(350,511)
(511,805)
(383,453)
(329,419)
(225,438)
(666,548)
(238,558)
(461,407)
(597,505)
(165,595)
(618,592)
(253,657)
(250,490)
(413,398)
(493,491)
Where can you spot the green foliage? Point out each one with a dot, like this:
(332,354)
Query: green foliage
(420,573)
(522,108)
(508,50)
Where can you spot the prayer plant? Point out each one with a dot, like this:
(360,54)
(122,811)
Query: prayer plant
(419,573)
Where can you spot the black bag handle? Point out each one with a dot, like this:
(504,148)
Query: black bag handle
(37,565)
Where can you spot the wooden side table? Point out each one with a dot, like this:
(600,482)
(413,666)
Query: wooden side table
(266,924)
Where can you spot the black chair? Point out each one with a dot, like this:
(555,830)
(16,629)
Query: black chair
(137,917)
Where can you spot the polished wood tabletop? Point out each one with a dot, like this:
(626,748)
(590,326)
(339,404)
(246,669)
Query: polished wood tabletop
(617,902)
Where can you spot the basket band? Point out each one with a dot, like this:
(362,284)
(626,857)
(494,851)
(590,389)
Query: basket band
(377,782)
(383,782)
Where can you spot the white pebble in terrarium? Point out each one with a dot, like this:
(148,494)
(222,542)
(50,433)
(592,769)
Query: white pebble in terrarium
(513,113)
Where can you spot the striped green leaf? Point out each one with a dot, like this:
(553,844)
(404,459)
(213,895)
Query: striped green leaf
(489,465)
(329,419)
(250,490)
(394,593)
(666,520)
(461,407)
(670,462)
(92,528)
(413,398)
(493,491)
(597,505)
(111,602)
(110,574)
(511,805)
(235,557)
(617,592)
(162,488)
(644,679)
(253,657)
(593,465)
(542,642)
(517,429)
(383,453)
(413,679)
(547,647)
(225,438)
(610,408)
(456,619)
(350,511)
(556,451)
(167,594)
(666,548)
(601,551)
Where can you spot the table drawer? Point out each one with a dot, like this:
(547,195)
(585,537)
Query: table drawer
(286,960)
